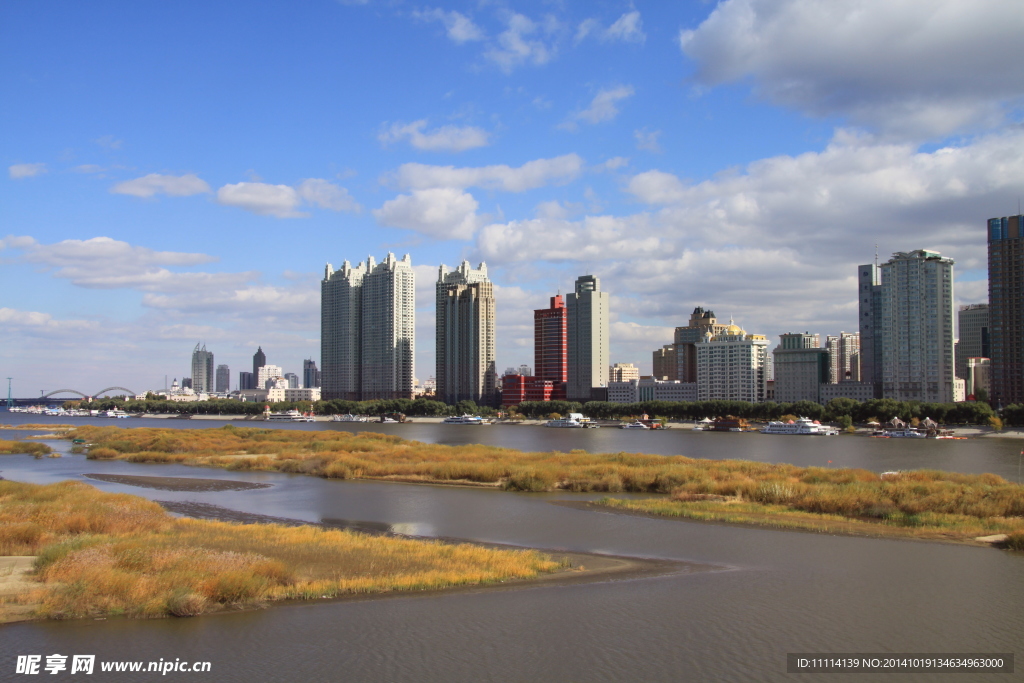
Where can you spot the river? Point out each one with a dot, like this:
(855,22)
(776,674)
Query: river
(774,592)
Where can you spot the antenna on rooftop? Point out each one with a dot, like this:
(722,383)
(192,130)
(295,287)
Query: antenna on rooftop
(876,254)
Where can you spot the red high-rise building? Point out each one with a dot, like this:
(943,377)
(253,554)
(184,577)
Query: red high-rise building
(550,362)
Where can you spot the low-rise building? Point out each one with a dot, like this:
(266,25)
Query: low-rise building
(651,389)
(858,391)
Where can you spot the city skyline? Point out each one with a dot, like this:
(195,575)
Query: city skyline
(658,147)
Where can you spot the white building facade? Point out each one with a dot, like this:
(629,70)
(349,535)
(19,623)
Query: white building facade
(651,389)
(731,366)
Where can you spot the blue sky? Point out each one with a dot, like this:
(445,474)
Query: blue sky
(181,172)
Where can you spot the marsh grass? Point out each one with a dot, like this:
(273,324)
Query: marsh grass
(115,554)
(29,447)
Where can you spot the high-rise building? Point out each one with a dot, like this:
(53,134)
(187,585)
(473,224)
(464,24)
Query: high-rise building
(246,380)
(465,335)
(801,367)
(869,305)
(202,370)
(687,338)
(843,357)
(587,336)
(223,379)
(310,374)
(267,375)
(1006,308)
(367,329)
(665,367)
(550,344)
(731,365)
(974,342)
(259,359)
(293,380)
(623,372)
(917,327)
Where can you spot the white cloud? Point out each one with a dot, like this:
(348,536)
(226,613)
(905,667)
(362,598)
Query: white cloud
(613,164)
(284,201)
(586,28)
(156,183)
(34,322)
(88,168)
(459,27)
(627,28)
(604,106)
(647,140)
(518,44)
(298,303)
(594,238)
(914,68)
(443,139)
(110,142)
(530,175)
(18,171)
(327,195)
(441,213)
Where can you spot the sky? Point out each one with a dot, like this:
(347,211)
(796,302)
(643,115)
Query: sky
(181,173)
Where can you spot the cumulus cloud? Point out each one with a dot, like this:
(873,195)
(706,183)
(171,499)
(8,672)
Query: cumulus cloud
(156,183)
(13,321)
(530,175)
(443,139)
(298,303)
(441,213)
(647,139)
(524,41)
(459,27)
(284,201)
(913,68)
(604,106)
(19,171)
(592,238)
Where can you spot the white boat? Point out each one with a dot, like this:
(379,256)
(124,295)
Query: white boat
(572,421)
(907,433)
(464,420)
(115,413)
(803,426)
(349,418)
(634,425)
(290,416)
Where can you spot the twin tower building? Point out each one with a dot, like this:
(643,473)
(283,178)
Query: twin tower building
(368,332)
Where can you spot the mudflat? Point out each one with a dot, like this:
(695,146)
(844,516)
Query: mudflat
(177,483)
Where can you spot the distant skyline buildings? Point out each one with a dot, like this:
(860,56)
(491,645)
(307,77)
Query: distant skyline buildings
(223,384)
(202,370)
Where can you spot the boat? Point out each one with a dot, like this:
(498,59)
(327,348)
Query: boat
(906,433)
(637,424)
(115,413)
(803,426)
(349,418)
(702,426)
(290,416)
(464,420)
(573,421)
(728,424)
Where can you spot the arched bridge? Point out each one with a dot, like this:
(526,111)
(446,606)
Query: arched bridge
(126,390)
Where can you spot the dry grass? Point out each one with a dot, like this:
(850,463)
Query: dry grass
(102,554)
(29,447)
(847,492)
(38,427)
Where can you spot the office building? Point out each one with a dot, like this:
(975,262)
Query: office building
(916,327)
(974,341)
(651,389)
(731,365)
(223,379)
(801,367)
(623,372)
(869,307)
(293,380)
(1006,308)
(367,330)
(665,362)
(979,378)
(246,381)
(310,374)
(843,357)
(587,313)
(268,375)
(465,335)
(259,359)
(686,339)
(202,370)
(551,346)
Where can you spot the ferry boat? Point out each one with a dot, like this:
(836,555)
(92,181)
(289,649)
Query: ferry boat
(573,421)
(634,425)
(349,418)
(116,413)
(803,426)
(464,420)
(290,416)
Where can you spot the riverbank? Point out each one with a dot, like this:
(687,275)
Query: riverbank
(103,554)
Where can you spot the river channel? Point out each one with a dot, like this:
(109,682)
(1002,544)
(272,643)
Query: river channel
(773,592)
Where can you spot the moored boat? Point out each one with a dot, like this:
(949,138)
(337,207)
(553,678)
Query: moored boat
(803,426)
(464,420)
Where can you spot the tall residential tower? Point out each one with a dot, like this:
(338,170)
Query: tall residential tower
(1006,308)
(465,335)
(588,353)
(202,370)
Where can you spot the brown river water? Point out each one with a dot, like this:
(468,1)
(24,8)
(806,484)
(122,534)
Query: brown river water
(775,592)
